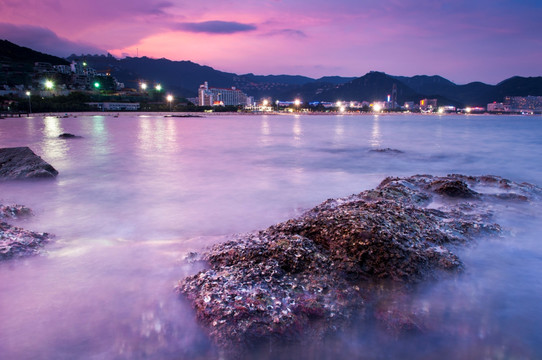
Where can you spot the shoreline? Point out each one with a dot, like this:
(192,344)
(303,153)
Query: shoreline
(181,114)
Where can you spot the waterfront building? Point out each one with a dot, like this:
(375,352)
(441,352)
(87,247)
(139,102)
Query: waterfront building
(211,96)
(115,106)
(498,107)
(428,104)
(524,103)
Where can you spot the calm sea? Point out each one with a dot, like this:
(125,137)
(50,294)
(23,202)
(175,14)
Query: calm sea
(138,192)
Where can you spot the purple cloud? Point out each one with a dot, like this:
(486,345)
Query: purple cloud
(215,27)
(288,32)
(44,40)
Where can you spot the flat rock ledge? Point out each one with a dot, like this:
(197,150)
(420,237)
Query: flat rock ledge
(310,276)
(14,241)
(22,163)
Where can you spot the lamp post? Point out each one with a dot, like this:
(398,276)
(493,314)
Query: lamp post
(169,100)
(28,93)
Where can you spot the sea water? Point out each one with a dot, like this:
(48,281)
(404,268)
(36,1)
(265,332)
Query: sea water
(138,192)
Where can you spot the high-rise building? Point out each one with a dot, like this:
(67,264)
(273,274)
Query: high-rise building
(210,96)
(524,103)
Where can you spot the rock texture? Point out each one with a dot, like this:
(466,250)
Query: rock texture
(17,242)
(309,275)
(21,163)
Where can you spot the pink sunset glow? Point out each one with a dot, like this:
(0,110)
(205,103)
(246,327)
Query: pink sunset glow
(463,41)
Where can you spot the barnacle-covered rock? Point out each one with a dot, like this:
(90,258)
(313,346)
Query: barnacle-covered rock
(309,275)
(14,211)
(17,242)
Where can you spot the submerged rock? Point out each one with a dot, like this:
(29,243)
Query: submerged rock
(386,151)
(22,163)
(69,136)
(309,275)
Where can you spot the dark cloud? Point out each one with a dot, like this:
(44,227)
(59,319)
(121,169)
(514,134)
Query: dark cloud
(215,27)
(44,40)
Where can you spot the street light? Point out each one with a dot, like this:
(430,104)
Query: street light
(143,86)
(169,100)
(158,87)
(97,85)
(49,85)
(28,93)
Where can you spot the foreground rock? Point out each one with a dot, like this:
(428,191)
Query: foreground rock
(309,276)
(14,211)
(21,163)
(17,242)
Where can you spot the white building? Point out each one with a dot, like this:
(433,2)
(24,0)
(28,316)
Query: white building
(209,96)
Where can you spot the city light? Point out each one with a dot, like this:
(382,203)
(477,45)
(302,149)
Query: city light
(468,110)
(49,84)
(297,102)
(97,85)
(143,86)
(342,109)
(28,93)
(158,87)
(169,99)
(265,102)
(377,108)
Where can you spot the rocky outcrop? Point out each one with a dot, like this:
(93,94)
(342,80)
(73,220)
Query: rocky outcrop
(22,163)
(309,275)
(17,242)
(14,211)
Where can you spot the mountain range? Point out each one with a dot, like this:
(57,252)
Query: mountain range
(184,78)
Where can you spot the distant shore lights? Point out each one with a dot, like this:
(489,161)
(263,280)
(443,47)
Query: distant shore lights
(49,84)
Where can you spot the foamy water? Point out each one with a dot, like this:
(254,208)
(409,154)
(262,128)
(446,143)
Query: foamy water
(137,193)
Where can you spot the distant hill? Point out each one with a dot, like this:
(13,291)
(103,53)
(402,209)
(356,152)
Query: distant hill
(10,52)
(185,77)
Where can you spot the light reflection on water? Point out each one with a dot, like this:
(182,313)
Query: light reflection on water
(136,194)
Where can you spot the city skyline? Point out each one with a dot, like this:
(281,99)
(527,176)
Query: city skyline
(463,41)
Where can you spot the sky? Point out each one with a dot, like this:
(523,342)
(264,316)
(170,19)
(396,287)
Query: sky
(462,40)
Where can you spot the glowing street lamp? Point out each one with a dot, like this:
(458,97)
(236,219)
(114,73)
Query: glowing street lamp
(377,107)
(297,102)
(143,86)
(97,85)
(265,102)
(28,93)
(169,99)
(49,85)
(158,87)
